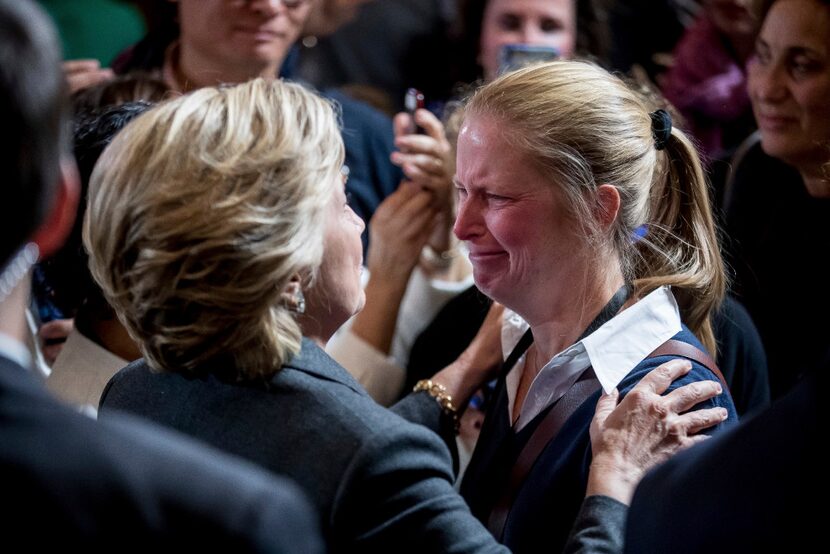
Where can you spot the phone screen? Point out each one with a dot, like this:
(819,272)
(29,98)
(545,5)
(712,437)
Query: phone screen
(413,101)
(515,56)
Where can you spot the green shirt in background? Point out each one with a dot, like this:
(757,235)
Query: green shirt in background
(98,29)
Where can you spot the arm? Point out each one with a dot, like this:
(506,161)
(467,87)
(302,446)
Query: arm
(397,495)
(379,374)
(461,379)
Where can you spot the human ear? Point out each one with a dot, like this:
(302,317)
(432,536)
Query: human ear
(607,206)
(57,224)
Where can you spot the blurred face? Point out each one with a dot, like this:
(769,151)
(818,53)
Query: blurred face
(242,33)
(338,293)
(522,243)
(789,81)
(531,22)
(732,17)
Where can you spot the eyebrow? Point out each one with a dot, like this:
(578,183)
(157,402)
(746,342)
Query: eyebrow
(792,50)
(802,50)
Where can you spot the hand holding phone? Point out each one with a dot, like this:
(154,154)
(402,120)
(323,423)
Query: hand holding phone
(412,102)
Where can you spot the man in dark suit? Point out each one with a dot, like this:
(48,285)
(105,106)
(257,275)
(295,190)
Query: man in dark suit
(762,476)
(754,488)
(80,483)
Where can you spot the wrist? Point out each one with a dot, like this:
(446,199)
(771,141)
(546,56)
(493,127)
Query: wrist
(611,479)
(442,396)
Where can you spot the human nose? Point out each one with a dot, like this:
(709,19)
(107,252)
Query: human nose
(530,33)
(467,220)
(768,82)
(358,221)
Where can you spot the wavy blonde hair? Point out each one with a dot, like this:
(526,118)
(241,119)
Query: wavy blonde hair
(586,127)
(202,210)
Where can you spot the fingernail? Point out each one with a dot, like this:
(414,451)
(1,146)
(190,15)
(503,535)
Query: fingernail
(723,413)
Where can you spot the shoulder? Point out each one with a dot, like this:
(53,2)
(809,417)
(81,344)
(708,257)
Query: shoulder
(758,511)
(699,372)
(331,399)
(124,477)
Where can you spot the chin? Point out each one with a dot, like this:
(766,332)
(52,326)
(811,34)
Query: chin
(492,290)
(360,304)
(777,146)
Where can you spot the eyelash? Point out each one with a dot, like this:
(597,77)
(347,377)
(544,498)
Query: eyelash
(496,197)
(801,67)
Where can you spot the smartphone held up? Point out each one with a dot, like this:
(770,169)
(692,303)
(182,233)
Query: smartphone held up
(412,102)
(516,56)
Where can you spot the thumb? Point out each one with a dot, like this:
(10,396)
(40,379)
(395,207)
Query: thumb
(606,405)
(401,124)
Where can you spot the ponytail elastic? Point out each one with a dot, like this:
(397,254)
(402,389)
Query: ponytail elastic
(660,128)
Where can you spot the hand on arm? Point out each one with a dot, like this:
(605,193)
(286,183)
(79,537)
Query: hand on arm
(628,438)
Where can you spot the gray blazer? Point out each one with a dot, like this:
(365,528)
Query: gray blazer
(380,482)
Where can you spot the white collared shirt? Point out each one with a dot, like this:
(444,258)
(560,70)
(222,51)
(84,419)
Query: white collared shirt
(613,350)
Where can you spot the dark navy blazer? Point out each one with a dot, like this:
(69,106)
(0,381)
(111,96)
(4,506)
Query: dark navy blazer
(70,483)
(759,487)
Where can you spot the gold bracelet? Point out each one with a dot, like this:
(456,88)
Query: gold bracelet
(439,393)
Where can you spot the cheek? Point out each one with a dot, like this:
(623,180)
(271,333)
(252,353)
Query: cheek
(493,38)
(815,101)
(514,231)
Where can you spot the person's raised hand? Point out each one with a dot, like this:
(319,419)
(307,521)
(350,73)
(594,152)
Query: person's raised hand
(426,159)
(398,231)
(81,74)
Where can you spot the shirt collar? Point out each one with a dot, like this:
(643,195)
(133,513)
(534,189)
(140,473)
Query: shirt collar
(626,340)
(613,351)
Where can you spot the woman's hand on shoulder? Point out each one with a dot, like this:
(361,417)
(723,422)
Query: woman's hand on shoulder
(629,437)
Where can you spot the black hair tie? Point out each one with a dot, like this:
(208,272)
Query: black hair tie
(660,128)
